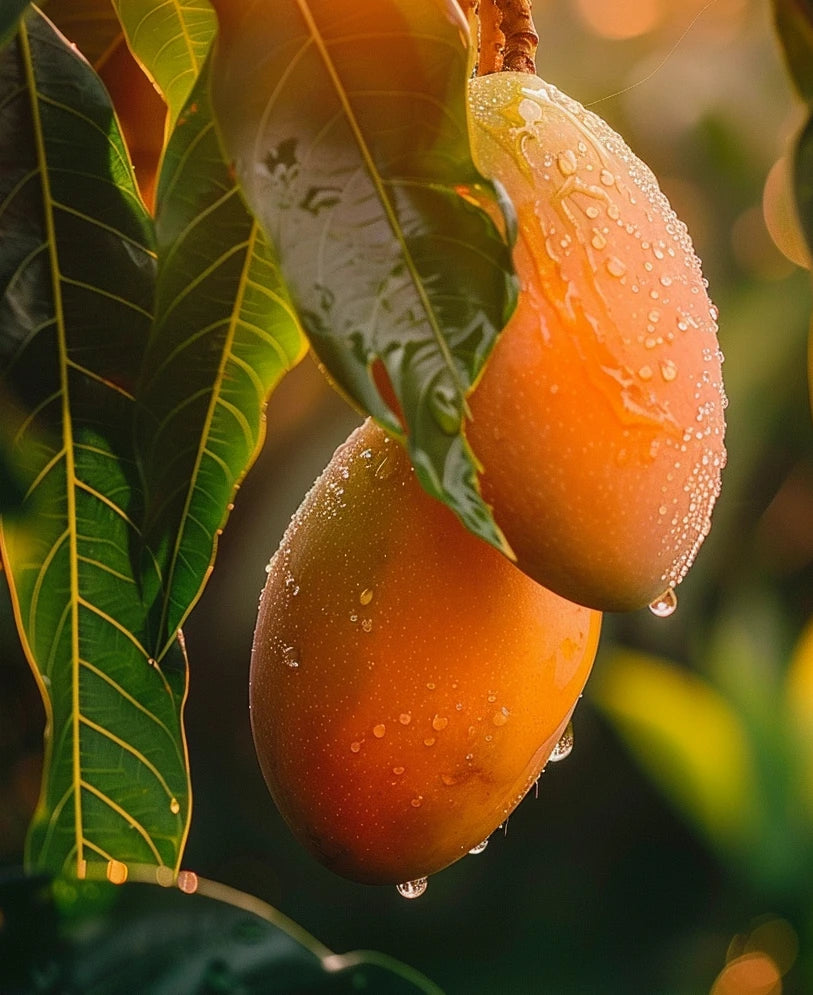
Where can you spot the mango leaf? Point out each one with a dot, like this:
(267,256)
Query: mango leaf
(77,276)
(346,120)
(10,13)
(92,937)
(799,697)
(170,38)
(794,24)
(224,334)
(91,25)
(688,738)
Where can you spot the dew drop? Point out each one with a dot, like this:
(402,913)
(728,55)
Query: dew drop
(174,806)
(429,741)
(355,746)
(607,178)
(188,882)
(366,596)
(439,722)
(598,241)
(398,770)
(116,872)
(289,657)
(417,801)
(665,604)
(413,889)
(367,624)
(405,718)
(645,373)
(565,745)
(567,162)
(615,267)
(500,718)
(479,848)
(668,370)
(448,779)
(379,730)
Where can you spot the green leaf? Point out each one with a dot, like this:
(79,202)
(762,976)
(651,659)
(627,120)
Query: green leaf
(794,24)
(689,739)
(10,13)
(77,275)
(224,335)
(347,123)
(141,938)
(170,38)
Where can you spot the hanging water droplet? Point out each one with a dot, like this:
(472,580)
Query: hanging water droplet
(565,745)
(366,596)
(413,889)
(665,604)
(174,806)
(479,848)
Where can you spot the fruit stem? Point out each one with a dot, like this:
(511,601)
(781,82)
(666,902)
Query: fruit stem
(508,38)
(521,38)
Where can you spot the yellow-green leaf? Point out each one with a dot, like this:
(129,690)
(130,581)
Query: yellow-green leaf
(688,739)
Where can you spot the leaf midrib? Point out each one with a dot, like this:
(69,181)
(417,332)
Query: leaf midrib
(381,191)
(67,428)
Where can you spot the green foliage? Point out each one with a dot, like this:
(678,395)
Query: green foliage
(115,784)
(380,228)
(88,937)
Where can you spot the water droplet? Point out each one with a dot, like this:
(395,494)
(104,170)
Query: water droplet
(448,779)
(379,731)
(366,596)
(430,685)
(445,407)
(367,624)
(405,718)
(417,802)
(439,722)
(501,717)
(567,162)
(413,889)
(668,370)
(174,806)
(607,178)
(355,746)
(565,745)
(664,605)
(116,872)
(289,657)
(480,847)
(598,241)
(615,267)
(429,741)
(188,882)
(645,373)
(398,770)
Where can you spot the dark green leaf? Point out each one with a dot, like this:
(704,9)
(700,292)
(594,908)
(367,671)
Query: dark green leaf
(224,334)
(170,38)
(347,123)
(10,13)
(77,275)
(794,23)
(95,939)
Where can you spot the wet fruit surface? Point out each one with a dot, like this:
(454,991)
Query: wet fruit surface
(408,683)
(599,419)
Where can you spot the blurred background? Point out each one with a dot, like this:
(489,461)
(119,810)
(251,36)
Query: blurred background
(672,852)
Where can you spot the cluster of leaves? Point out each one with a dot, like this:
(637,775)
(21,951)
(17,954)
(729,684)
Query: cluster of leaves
(138,348)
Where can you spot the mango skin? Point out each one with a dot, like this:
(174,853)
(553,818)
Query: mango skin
(408,684)
(599,418)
